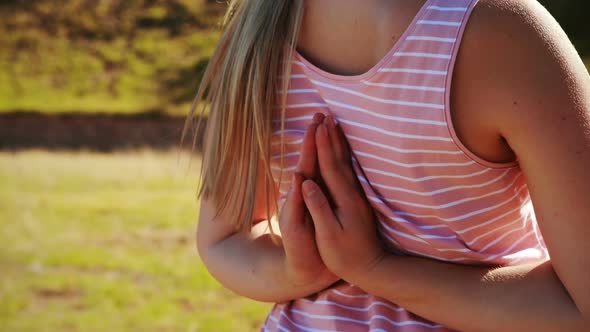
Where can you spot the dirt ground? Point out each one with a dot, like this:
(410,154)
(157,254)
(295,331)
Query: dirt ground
(99,132)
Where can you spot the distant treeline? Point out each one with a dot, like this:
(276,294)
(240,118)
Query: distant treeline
(133,55)
(104,55)
(110,19)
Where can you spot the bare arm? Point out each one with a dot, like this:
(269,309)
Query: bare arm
(520,298)
(538,99)
(537,93)
(249,264)
(253,265)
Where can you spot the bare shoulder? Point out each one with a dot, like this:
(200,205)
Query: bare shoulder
(514,57)
(522,79)
(529,85)
(510,36)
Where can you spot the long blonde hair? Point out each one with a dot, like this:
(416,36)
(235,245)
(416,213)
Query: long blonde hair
(249,65)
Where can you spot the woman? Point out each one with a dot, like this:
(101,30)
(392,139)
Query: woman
(414,210)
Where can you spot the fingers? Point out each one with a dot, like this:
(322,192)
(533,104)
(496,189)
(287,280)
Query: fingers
(338,145)
(307,164)
(296,228)
(346,154)
(295,218)
(298,238)
(334,164)
(293,210)
(326,224)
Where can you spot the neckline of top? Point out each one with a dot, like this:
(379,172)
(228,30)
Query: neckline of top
(375,68)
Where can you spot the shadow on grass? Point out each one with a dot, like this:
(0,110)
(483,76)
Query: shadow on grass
(100,132)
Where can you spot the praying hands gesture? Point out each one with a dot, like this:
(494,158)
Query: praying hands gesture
(317,248)
(345,233)
(303,263)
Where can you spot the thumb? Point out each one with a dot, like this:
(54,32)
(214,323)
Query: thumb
(325,222)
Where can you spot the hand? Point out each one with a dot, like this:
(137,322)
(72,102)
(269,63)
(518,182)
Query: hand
(346,234)
(303,262)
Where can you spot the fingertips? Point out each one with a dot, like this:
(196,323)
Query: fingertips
(321,140)
(335,140)
(318,118)
(308,157)
(308,163)
(311,190)
(340,147)
(346,154)
(334,164)
(325,153)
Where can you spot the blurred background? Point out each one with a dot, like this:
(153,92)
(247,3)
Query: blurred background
(97,201)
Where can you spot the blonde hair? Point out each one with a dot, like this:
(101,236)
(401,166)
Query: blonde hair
(249,65)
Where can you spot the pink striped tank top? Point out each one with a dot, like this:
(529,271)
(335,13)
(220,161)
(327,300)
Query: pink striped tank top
(432,197)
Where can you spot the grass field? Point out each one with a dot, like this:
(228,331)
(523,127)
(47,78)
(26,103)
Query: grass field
(104,242)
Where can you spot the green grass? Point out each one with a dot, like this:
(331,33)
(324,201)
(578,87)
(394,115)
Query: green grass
(105,242)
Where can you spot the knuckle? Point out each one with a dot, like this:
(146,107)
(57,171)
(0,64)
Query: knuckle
(321,202)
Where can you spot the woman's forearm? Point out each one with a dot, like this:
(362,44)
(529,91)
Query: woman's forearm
(254,267)
(466,298)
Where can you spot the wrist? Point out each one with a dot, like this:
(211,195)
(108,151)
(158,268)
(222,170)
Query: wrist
(366,278)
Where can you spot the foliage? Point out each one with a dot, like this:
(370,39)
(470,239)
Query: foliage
(133,55)
(107,55)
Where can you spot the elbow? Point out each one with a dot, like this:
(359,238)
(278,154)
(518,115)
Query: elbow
(205,250)
(201,247)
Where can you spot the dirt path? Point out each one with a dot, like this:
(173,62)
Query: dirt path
(101,132)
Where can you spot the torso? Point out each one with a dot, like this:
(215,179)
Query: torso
(348,37)
(433,196)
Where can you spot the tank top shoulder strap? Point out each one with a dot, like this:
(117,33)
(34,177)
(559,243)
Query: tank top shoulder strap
(437,29)
(427,55)
(432,40)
